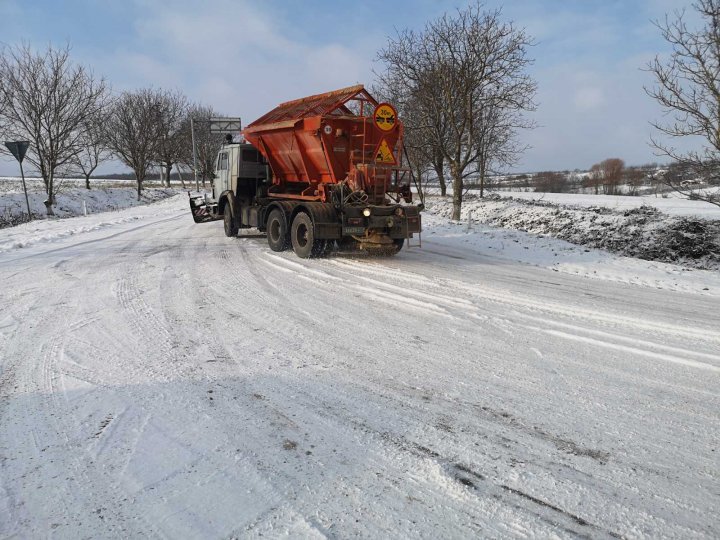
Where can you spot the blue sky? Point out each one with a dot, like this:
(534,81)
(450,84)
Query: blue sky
(245,57)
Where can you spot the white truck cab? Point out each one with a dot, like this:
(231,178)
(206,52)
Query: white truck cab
(238,164)
(241,175)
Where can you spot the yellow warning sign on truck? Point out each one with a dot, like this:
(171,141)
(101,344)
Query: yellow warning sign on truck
(385,117)
(383,153)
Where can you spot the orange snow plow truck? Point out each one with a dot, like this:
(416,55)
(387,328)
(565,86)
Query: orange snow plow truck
(317,173)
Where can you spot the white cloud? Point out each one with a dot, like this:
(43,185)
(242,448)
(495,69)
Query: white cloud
(238,57)
(588,98)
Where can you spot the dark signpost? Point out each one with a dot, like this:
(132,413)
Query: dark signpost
(18,149)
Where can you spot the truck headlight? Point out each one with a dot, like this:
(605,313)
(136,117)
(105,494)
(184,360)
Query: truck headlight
(390,223)
(366,212)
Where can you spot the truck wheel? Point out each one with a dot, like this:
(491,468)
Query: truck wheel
(231,227)
(303,237)
(277,233)
(399,242)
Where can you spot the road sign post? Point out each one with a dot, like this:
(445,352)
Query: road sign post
(192,134)
(18,149)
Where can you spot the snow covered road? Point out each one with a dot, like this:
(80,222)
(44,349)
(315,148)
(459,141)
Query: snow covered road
(160,380)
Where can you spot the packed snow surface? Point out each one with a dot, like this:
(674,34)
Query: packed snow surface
(158,379)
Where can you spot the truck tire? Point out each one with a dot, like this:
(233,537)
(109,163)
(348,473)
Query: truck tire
(229,222)
(303,239)
(277,231)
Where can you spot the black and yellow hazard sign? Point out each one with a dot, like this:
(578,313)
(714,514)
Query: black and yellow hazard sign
(385,117)
(383,153)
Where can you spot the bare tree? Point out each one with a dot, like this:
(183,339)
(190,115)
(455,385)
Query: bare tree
(94,148)
(206,144)
(550,182)
(49,101)
(460,69)
(594,178)
(608,174)
(612,174)
(133,129)
(496,141)
(635,177)
(173,140)
(688,89)
(420,163)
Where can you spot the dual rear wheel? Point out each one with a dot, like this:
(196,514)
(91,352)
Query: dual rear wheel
(301,236)
(277,231)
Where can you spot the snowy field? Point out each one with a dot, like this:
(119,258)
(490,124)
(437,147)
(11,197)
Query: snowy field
(159,379)
(672,204)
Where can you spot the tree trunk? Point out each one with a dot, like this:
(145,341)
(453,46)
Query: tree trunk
(45,177)
(87,181)
(439,166)
(443,184)
(139,187)
(457,192)
(168,170)
(49,188)
(482,178)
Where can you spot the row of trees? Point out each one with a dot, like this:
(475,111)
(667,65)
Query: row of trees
(73,121)
(609,177)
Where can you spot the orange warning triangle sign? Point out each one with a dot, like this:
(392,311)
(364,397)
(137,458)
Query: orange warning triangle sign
(383,154)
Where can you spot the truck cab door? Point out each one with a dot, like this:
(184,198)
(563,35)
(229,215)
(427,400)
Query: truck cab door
(222,174)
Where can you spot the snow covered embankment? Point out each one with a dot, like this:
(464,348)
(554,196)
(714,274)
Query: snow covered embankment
(644,232)
(69,202)
(41,231)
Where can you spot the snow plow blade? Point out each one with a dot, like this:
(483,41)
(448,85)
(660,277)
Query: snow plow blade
(202,211)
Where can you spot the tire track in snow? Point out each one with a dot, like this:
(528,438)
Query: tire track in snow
(271,335)
(478,291)
(325,408)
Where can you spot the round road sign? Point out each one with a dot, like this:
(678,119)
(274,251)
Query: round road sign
(385,117)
